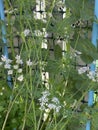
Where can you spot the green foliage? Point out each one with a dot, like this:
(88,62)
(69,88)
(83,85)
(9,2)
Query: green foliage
(19,106)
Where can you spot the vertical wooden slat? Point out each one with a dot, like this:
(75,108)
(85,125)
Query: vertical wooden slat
(92,66)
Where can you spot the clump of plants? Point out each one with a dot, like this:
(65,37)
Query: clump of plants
(31,102)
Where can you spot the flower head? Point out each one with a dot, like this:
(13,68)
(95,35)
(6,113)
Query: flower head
(19,70)
(26,32)
(18,59)
(50,104)
(20,78)
(55,100)
(29,62)
(7,66)
(15,67)
(1,93)
(10,72)
(4,58)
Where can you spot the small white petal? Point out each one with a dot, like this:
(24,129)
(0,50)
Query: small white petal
(1,93)
(19,70)
(3,58)
(20,78)
(58,108)
(8,61)
(10,72)
(52,106)
(17,57)
(45,116)
(29,62)
(47,110)
(15,67)
(3,88)
(7,66)
(19,61)
(26,32)
(55,100)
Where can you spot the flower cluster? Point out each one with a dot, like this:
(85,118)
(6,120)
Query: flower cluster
(47,103)
(14,67)
(91,74)
(83,70)
(26,32)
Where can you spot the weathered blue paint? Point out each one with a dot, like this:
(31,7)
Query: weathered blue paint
(88,125)
(5,49)
(2,17)
(90,97)
(92,66)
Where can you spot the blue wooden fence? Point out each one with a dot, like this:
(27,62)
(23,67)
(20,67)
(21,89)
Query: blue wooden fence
(3,29)
(92,66)
(94,42)
(5,48)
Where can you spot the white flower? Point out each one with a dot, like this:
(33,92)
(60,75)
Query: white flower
(1,93)
(58,109)
(10,72)
(38,33)
(19,70)
(29,63)
(7,66)
(18,59)
(20,78)
(42,107)
(55,100)
(51,106)
(8,61)
(4,58)
(15,67)
(10,11)
(47,110)
(48,105)
(46,93)
(45,116)
(43,99)
(83,70)
(26,32)
(3,88)
(54,107)
(91,74)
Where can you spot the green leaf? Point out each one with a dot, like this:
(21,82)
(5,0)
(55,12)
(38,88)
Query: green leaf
(1,108)
(57,52)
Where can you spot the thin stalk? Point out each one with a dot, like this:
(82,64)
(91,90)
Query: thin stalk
(9,109)
(35,123)
(39,122)
(24,120)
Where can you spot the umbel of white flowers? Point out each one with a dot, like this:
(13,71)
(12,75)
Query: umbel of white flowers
(11,67)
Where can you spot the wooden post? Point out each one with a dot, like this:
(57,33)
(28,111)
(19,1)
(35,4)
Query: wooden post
(5,49)
(92,66)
